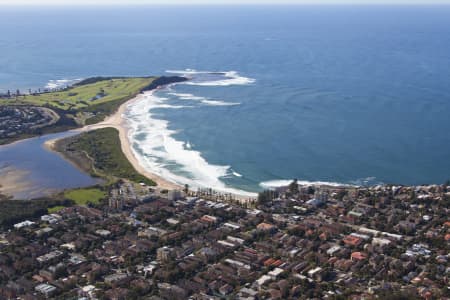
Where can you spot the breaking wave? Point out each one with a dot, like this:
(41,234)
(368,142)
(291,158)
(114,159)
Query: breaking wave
(236,173)
(208,78)
(368,181)
(61,83)
(158,151)
(203,100)
(272,184)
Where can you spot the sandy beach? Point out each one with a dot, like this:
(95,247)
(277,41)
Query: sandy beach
(117,121)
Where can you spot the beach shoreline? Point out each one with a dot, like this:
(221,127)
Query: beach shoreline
(118,122)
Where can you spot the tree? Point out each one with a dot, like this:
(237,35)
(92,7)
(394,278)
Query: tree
(293,187)
(266,196)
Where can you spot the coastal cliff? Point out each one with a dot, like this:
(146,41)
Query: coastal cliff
(164,80)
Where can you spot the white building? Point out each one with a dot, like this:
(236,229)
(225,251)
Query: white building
(46,289)
(174,195)
(23,224)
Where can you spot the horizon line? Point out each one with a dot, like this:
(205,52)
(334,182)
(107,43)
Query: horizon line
(217,4)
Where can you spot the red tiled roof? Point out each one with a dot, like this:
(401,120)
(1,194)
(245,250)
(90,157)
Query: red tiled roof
(265,226)
(269,262)
(277,263)
(359,256)
(207,219)
(352,240)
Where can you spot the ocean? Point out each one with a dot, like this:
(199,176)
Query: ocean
(338,94)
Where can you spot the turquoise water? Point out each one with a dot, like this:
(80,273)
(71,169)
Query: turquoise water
(336,94)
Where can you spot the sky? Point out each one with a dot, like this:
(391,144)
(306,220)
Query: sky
(218,2)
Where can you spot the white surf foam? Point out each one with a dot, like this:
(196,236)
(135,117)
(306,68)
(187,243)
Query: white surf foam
(162,151)
(185,96)
(187,72)
(224,78)
(206,101)
(173,106)
(61,83)
(231,78)
(368,181)
(272,184)
(236,174)
(219,103)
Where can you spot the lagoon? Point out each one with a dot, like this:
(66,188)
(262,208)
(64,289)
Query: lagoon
(338,94)
(29,170)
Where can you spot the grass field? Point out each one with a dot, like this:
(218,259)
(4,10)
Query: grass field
(85,196)
(89,101)
(55,209)
(81,97)
(99,152)
(85,103)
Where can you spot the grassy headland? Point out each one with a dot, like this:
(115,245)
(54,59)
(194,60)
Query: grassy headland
(85,103)
(99,153)
(86,94)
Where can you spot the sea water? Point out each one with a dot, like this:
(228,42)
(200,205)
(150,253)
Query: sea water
(354,95)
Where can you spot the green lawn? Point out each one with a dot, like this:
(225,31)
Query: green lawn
(55,209)
(80,97)
(85,103)
(85,196)
(104,151)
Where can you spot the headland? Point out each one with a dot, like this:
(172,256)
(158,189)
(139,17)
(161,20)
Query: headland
(90,105)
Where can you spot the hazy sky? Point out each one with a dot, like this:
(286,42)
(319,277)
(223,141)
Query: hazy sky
(146,2)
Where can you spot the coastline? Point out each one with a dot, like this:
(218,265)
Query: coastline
(117,121)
